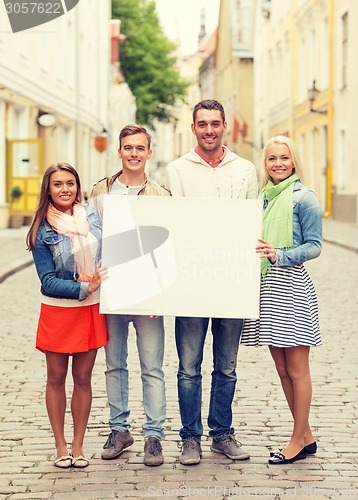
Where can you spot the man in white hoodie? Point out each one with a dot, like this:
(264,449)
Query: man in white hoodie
(210,170)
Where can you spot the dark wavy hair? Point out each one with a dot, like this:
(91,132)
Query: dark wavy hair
(45,200)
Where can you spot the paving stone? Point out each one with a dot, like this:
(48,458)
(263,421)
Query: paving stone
(261,417)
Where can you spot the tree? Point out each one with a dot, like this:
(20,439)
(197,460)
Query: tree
(147,61)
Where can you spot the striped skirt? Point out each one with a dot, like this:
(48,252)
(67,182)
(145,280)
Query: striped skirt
(288,311)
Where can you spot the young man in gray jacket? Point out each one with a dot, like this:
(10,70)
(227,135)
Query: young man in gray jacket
(210,170)
(134,151)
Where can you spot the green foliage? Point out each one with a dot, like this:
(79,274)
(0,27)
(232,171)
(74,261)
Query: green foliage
(147,61)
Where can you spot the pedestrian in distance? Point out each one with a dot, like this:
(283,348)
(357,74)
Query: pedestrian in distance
(65,240)
(134,152)
(210,170)
(288,324)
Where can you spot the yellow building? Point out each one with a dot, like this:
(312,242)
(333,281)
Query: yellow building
(294,83)
(288,67)
(312,91)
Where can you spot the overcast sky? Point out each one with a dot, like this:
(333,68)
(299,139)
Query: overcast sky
(181,20)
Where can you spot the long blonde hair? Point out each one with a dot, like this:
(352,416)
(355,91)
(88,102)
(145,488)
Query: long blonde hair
(45,200)
(296,159)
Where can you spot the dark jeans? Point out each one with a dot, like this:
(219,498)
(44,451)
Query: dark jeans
(190,334)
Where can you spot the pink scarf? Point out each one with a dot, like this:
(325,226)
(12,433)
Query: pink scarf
(76,228)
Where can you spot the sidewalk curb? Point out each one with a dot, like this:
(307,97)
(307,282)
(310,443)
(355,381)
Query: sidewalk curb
(15,266)
(338,244)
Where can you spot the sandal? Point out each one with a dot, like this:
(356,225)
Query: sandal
(80,462)
(63,462)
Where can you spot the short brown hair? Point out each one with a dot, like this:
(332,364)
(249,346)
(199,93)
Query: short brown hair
(132,130)
(209,104)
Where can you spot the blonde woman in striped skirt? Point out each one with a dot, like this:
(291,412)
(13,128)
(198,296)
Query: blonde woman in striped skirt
(288,324)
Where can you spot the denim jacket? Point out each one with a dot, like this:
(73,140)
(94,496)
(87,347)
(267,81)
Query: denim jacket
(307,229)
(54,260)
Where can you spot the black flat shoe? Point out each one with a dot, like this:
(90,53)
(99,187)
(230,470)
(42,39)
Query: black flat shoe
(279,459)
(310,449)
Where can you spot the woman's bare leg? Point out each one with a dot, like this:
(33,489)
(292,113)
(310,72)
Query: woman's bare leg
(82,366)
(279,356)
(297,359)
(57,366)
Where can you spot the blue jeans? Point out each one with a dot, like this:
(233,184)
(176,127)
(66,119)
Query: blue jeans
(190,336)
(150,345)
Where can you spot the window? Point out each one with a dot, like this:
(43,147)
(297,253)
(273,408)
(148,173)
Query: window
(19,123)
(2,150)
(324,55)
(324,159)
(344,49)
(313,56)
(180,143)
(312,160)
(302,149)
(66,145)
(302,71)
(341,181)
(23,46)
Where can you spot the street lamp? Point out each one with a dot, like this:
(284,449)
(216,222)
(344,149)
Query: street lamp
(312,94)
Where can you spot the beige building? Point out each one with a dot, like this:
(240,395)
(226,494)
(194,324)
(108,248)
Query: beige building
(199,71)
(207,78)
(54,87)
(272,72)
(288,67)
(345,152)
(122,103)
(184,139)
(234,73)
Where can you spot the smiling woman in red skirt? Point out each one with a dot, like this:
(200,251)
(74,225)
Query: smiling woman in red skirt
(65,240)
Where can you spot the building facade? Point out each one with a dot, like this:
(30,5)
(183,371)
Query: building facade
(234,74)
(305,53)
(54,88)
(294,84)
(345,100)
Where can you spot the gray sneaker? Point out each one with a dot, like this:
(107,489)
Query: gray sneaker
(230,447)
(153,454)
(116,443)
(191,452)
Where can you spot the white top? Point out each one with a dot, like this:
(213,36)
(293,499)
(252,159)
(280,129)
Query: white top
(192,176)
(93,298)
(121,189)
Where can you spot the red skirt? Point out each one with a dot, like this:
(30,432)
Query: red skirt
(71,329)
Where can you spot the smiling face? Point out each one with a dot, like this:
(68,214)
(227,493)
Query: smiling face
(63,190)
(209,129)
(279,163)
(134,152)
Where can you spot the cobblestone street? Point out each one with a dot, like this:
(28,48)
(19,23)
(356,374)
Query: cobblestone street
(261,417)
